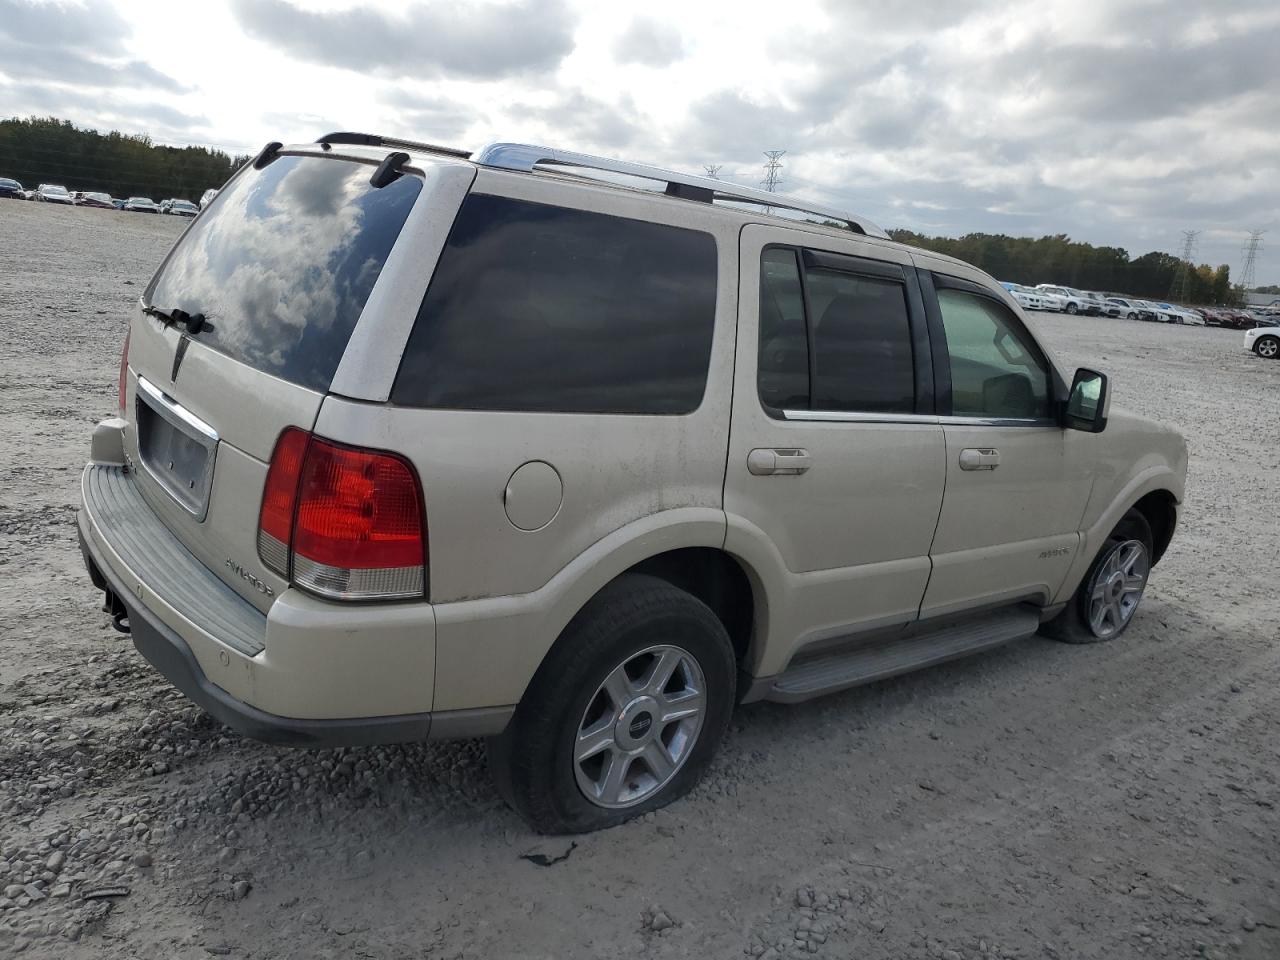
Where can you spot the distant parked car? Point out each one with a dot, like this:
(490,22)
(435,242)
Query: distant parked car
(94,199)
(1027,298)
(118,204)
(53,193)
(1072,301)
(1264,340)
(207,196)
(180,208)
(141,205)
(11,189)
(1123,308)
(1190,315)
(1094,303)
(1153,311)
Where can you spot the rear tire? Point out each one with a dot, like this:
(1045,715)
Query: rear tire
(599,701)
(1107,599)
(1267,347)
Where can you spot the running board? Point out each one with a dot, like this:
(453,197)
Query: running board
(901,653)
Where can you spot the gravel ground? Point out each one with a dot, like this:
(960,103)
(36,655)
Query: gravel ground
(1042,800)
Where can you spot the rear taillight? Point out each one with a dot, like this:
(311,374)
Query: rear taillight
(343,522)
(124,369)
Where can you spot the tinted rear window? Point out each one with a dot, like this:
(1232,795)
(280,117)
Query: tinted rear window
(543,308)
(282,262)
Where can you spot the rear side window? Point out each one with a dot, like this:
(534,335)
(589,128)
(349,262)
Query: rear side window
(833,339)
(541,308)
(282,262)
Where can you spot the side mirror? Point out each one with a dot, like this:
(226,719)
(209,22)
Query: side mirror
(1086,407)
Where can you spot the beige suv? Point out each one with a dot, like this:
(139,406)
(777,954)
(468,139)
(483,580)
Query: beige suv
(420,443)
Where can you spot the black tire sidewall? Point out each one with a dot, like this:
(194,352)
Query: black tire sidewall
(1133,526)
(1257,347)
(633,613)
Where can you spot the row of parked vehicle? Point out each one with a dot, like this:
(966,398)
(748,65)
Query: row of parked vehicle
(1047,296)
(56,193)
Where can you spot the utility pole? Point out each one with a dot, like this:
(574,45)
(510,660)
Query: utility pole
(713,170)
(1181,288)
(772,170)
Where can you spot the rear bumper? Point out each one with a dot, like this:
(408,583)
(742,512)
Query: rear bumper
(308,673)
(170,655)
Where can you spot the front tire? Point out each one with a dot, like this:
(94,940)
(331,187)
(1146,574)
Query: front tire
(1072,309)
(1267,347)
(1105,603)
(624,714)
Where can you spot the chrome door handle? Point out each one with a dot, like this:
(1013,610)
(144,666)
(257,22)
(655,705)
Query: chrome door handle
(979,458)
(778,461)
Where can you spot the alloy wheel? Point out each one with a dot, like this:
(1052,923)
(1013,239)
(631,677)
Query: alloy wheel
(639,727)
(1268,347)
(1117,588)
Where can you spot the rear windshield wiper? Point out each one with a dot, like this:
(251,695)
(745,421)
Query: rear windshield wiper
(194,322)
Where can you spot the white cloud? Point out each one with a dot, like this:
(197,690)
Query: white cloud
(1121,122)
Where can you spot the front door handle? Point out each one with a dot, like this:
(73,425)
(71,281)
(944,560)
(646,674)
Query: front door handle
(778,461)
(979,458)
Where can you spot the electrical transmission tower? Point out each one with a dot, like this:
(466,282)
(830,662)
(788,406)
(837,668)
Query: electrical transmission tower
(713,170)
(1252,247)
(772,170)
(1181,289)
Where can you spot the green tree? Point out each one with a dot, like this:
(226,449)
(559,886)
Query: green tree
(37,150)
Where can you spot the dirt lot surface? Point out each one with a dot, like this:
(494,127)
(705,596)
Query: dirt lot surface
(1044,800)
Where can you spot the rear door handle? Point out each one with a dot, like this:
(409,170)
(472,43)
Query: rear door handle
(778,461)
(979,458)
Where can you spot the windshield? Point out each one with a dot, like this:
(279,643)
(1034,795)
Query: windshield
(281,263)
(55,189)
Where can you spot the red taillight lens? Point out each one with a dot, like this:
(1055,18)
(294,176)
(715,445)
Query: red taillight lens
(350,520)
(124,369)
(279,497)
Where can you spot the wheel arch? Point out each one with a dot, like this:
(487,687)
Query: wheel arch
(684,547)
(1160,510)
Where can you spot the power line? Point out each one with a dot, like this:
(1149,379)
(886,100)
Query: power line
(1180,289)
(713,170)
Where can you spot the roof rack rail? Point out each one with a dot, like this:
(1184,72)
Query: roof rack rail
(526,157)
(377,140)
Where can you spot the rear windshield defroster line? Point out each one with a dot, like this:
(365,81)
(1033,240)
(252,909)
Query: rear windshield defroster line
(282,262)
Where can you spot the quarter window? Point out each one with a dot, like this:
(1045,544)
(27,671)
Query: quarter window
(833,339)
(996,369)
(542,308)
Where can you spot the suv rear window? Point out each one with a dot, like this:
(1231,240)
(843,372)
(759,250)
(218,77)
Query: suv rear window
(542,308)
(282,262)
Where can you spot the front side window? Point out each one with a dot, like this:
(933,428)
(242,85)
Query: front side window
(833,339)
(536,307)
(996,369)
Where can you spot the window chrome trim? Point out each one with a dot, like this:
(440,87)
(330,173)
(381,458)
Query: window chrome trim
(906,419)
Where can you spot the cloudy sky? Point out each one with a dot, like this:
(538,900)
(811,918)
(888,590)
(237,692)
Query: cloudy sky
(1120,122)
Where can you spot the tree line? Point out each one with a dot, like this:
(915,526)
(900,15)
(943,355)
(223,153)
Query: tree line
(37,150)
(1060,260)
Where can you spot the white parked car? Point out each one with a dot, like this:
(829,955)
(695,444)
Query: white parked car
(1264,341)
(1156,312)
(1068,300)
(1122,308)
(1188,316)
(1028,298)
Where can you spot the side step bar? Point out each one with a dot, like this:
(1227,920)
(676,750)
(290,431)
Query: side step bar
(901,653)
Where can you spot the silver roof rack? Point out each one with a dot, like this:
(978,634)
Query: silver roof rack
(527,157)
(377,140)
